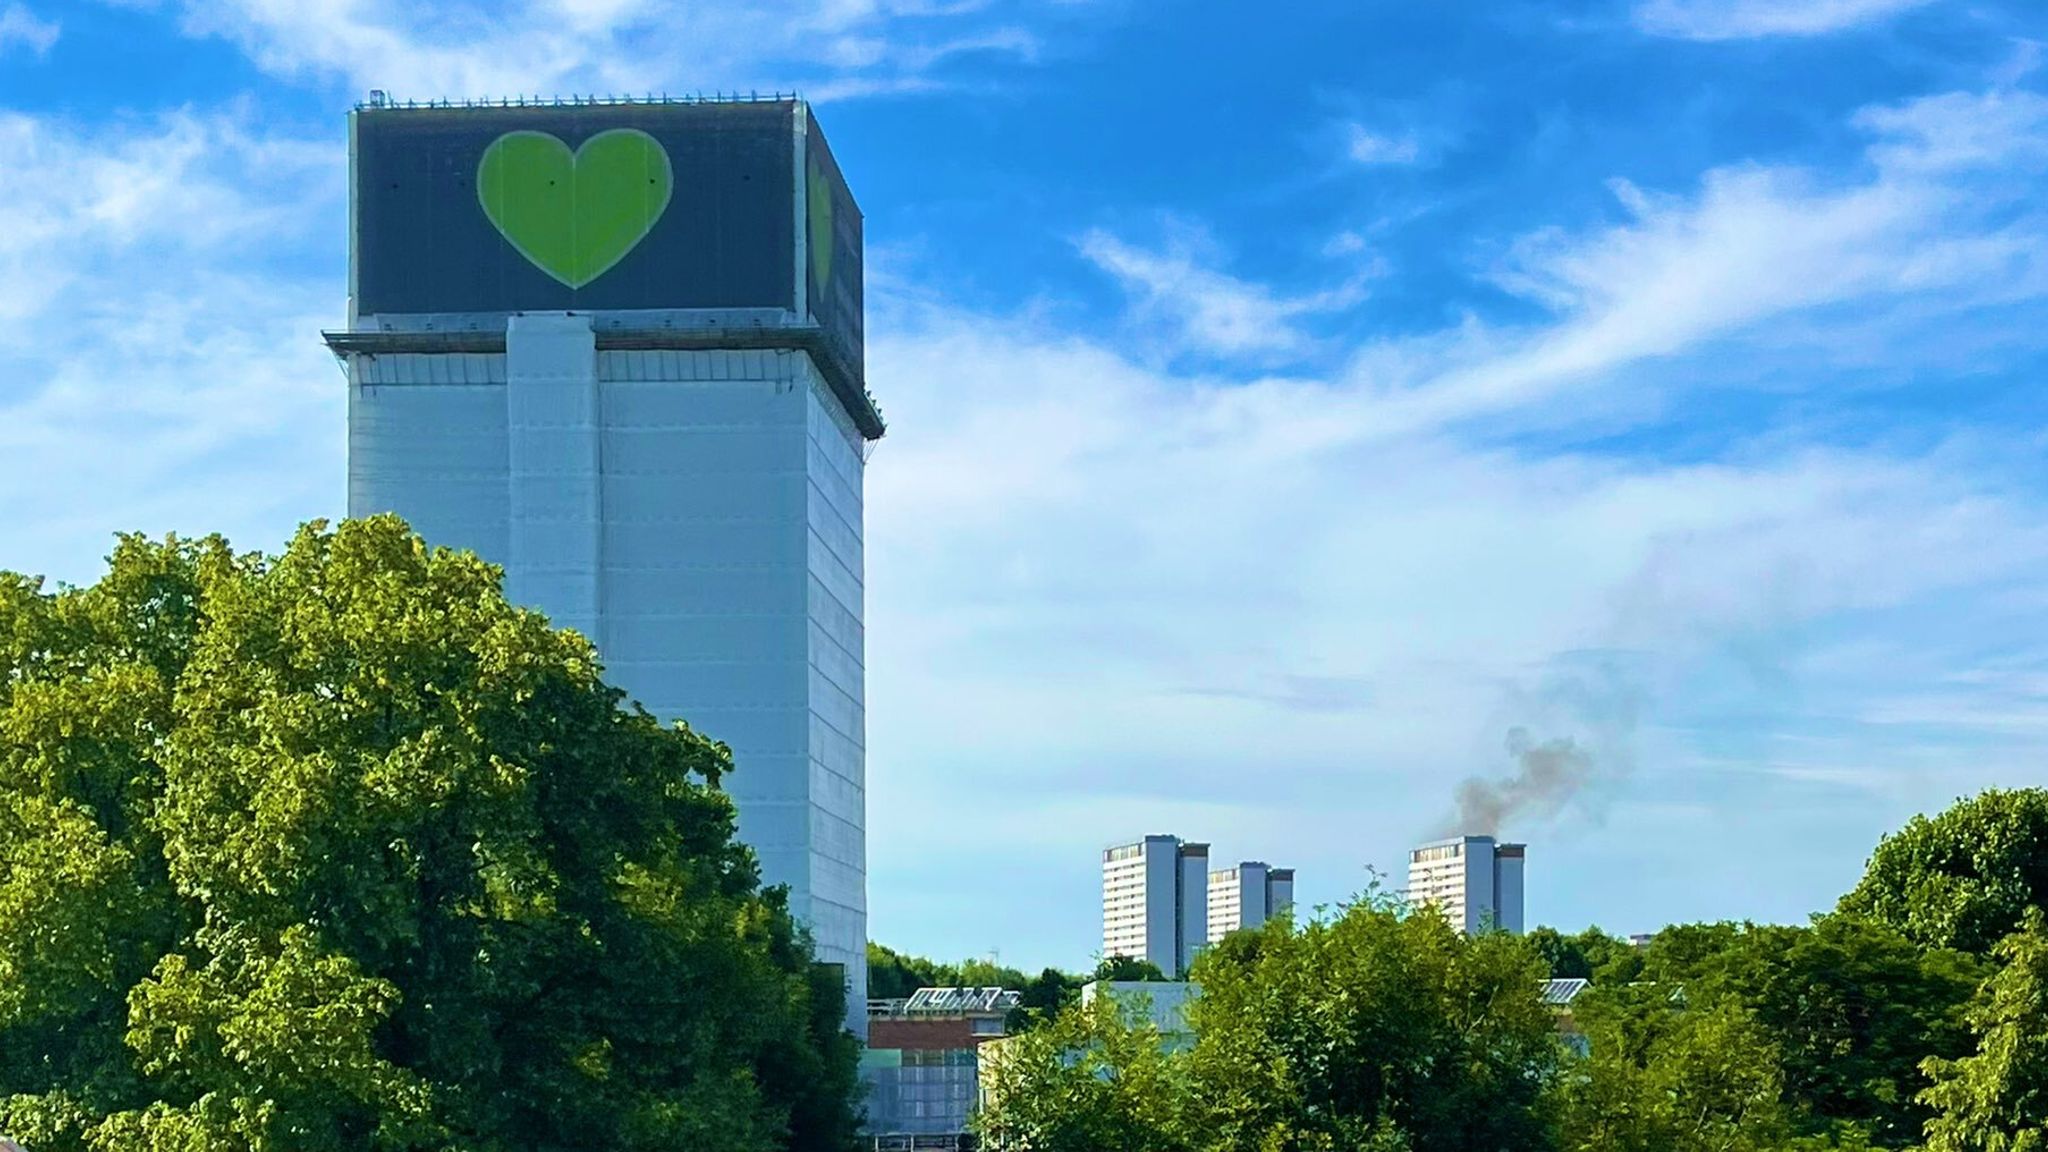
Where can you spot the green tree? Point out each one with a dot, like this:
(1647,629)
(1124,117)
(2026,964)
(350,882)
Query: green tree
(1095,1079)
(1374,1029)
(1996,1100)
(1667,1077)
(1128,968)
(894,975)
(1590,955)
(338,850)
(989,974)
(1044,997)
(1964,879)
(1850,1008)
(1853,1008)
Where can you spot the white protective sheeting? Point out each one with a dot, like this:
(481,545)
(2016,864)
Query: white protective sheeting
(698,515)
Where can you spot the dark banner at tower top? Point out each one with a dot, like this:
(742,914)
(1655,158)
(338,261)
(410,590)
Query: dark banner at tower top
(605,207)
(833,229)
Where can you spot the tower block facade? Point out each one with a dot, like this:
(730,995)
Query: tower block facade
(617,349)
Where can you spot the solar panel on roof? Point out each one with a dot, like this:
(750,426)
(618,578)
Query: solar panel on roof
(1559,992)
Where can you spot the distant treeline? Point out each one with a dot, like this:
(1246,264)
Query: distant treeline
(1914,1015)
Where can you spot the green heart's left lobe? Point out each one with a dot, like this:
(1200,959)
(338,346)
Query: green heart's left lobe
(575,214)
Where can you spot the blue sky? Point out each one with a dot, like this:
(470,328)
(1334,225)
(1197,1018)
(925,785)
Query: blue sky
(1286,403)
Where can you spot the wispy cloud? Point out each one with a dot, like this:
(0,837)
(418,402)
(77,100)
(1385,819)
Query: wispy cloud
(21,28)
(1366,146)
(1947,220)
(1364,626)
(1289,612)
(160,349)
(470,48)
(1182,301)
(1327,599)
(1755,19)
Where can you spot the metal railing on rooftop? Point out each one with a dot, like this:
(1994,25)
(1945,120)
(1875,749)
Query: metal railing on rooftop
(379,100)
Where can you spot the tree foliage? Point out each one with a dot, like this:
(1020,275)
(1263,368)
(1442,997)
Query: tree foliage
(1590,955)
(1963,879)
(1662,1077)
(894,975)
(1849,1008)
(1097,1078)
(1373,1026)
(1996,1099)
(338,850)
(1375,1031)
(1129,969)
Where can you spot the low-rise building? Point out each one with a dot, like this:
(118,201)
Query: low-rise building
(1162,1003)
(922,1064)
(1559,995)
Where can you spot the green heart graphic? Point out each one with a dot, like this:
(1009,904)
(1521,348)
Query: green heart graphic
(575,214)
(818,194)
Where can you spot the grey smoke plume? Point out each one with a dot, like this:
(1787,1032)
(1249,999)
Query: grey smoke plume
(1547,776)
(1596,694)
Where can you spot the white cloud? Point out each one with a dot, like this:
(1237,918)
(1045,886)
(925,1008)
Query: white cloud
(19,26)
(480,49)
(1366,146)
(1288,614)
(1960,132)
(1281,613)
(1124,600)
(162,364)
(1948,219)
(1755,19)
(1178,300)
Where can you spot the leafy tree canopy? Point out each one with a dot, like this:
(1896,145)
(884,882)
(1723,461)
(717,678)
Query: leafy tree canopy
(1662,1077)
(1590,955)
(1996,1099)
(1963,879)
(1843,1010)
(1128,968)
(1373,1029)
(1097,1078)
(339,850)
(894,975)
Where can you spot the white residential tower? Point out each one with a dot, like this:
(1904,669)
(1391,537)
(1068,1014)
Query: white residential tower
(1476,881)
(1247,896)
(1155,901)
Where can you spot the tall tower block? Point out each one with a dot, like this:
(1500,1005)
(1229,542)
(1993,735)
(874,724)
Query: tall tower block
(617,349)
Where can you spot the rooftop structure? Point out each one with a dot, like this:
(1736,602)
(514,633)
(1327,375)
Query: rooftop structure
(922,1063)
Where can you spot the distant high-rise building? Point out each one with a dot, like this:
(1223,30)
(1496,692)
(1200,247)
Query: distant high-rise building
(1155,901)
(1475,880)
(1247,896)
